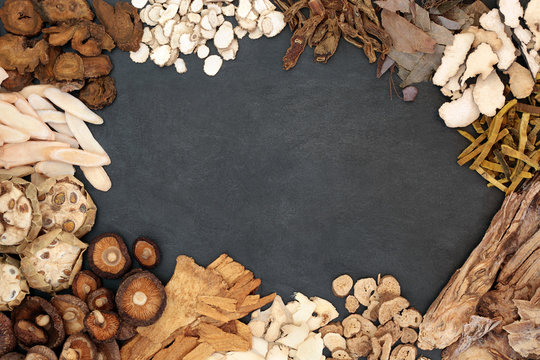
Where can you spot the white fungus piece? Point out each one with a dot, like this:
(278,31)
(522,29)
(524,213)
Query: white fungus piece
(212,64)
(160,56)
(461,112)
(488,94)
(521,81)
(453,89)
(272,23)
(140,56)
(480,62)
(203,51)
(454,56)
(532,19)
(507,53)
(180,66)
(512,11)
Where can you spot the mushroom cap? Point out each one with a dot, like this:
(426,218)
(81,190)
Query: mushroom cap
(78,347)
(20,18)
(101,299)
(65,205)
(40,352)
(141,299)
(108,350)
(84,283)
(13,285)
(73,311)
(29,311)
(52,260)
(102,326)
(146,252)
(126,331)
(12,356)
(8,342)
(108,256)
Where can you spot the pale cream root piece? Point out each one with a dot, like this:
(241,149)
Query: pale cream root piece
(140,56)
(357,324)
(324,313)
(363,289)
(453,89)
(484,36)
(408,318)
(29,152)
(24,107)
(278,352)
(54,168)
(488,94)
(409,336)
(19,171)
(351,304)
(224,35)
(212,64)
(342,285)
(3,75)
(480,62)
(512,11)
(334,342)
(61,128)
(403,352)
(454,56)
(532,18)
(71,104)
(341,354)
(35,89)
(293,335)
(52,116)
(521,81)
(507,53)
(97,177)
(304,311)
(180,66)
(272,23)
(77,157)
(392,307)
(10,116)
(39,103)
(66,139)
(82,133)
(311,348)
(461,112)
(11,135)
(388,287)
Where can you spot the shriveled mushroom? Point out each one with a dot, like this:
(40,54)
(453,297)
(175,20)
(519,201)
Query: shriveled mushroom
(8,342)
(20,18)
(21,54)
(141,299)
(12,356)
(342,285)
(78,347)
(102,326)
(108,351)
(37,322)
(108,256)
(40,352)
(101,299)
(13,285)
(146,252)
(84,283)
(73,311)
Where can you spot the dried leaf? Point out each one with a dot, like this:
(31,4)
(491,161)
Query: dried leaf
(394,5)
(405,36)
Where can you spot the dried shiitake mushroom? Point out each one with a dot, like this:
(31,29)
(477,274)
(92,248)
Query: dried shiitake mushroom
(122,22)
(84,283)
(98,92)
(54,11)
(78,347)
(102,326)
(12,356)
(126,331)
(13,286)
(16,81)
(108,256)
(141,299)
(52,260)
(21,54)
(68,66)
(108,351)
(20,218)
(37,322)
(20,18)
(146,252)
(8,342)
(65,204)
(101,299)
(40,352)
(73,311)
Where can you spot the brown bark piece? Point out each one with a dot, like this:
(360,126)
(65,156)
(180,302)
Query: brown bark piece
(514,224)
(221,340)
(201,352)
(181,346)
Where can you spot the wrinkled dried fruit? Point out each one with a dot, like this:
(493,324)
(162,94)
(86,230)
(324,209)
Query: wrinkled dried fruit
(141,299)
(108,256)
(146,252)
(84,283)
(98,92)
(102,326)
(101,299)
(122,22)
(20,18)
(68,66)
(8,342)
(54,11)
(73,311)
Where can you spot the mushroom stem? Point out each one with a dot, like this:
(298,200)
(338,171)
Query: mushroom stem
(101,302)
(69,316)
(146,254)
(86,289)
(71,354)
(99,318)
(112,257)
(139,298)
(43,320)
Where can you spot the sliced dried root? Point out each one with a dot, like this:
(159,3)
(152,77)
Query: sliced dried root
(66,139)
(97,177)
(82,133)
(39,103)
(71,104)
(10,135)
(52,116)
(54,168)
(29,152)
(10,116)
(34,89)
(19,171)
(76,156)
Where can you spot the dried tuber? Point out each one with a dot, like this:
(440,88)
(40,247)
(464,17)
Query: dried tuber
(98,92)
(20,18)
(21,54)
(122,23)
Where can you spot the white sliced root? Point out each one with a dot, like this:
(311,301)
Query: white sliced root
(461,112)
(34,89)
(10,135)
(212,64)
(224,36)
(52,116)
(76,156)
(54,168)
(39,103)
(488,94)
(29,152)
(180,66)
(3,75)
(84,136)
(140,56)
(70,103)
(272,23)
(24,107)
(19,171)
(9,97)
(532,19)
(480,62)
(512,11)
(61,128)
(203,51)
(139,4)
(66,139)
(507,53)
(97,177)
(521,81)
(10,116)
(454,56)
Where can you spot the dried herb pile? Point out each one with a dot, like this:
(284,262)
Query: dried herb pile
(32,51)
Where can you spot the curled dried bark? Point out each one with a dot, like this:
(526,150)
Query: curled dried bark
(19,53)
(68,66)
(20,18)
(98,92)
(16,81)
(121,22)
(96,66)
(55,11)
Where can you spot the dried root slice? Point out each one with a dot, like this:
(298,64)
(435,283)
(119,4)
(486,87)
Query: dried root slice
(71,104)
(392,307)
(461,112)
(20,18)
(342,285)
(84,283)
(19,171)
(35,90)
(68,66)
(10,135)
(54,168)
(484,36)
(76,156)
(454,56)
(10,116)
(363,289)
(404,352)
(52,116)
(351,304)
(98,92)
(97,177)
(39,103)
(30,152)
(66,139)
(108,256)
(408,318)
(488,94)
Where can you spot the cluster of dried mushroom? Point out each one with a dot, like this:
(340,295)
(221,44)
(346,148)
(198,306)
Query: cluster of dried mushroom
(490,309)
(26,55)
(39,140)
(88,324)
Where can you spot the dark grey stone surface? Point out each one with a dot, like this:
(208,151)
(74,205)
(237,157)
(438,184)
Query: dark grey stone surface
(301,175)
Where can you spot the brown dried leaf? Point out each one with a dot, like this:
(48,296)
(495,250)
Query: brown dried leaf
(405,36)
(395,5)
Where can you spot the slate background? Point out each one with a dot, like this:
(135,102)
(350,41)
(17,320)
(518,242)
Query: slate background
(301,175)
